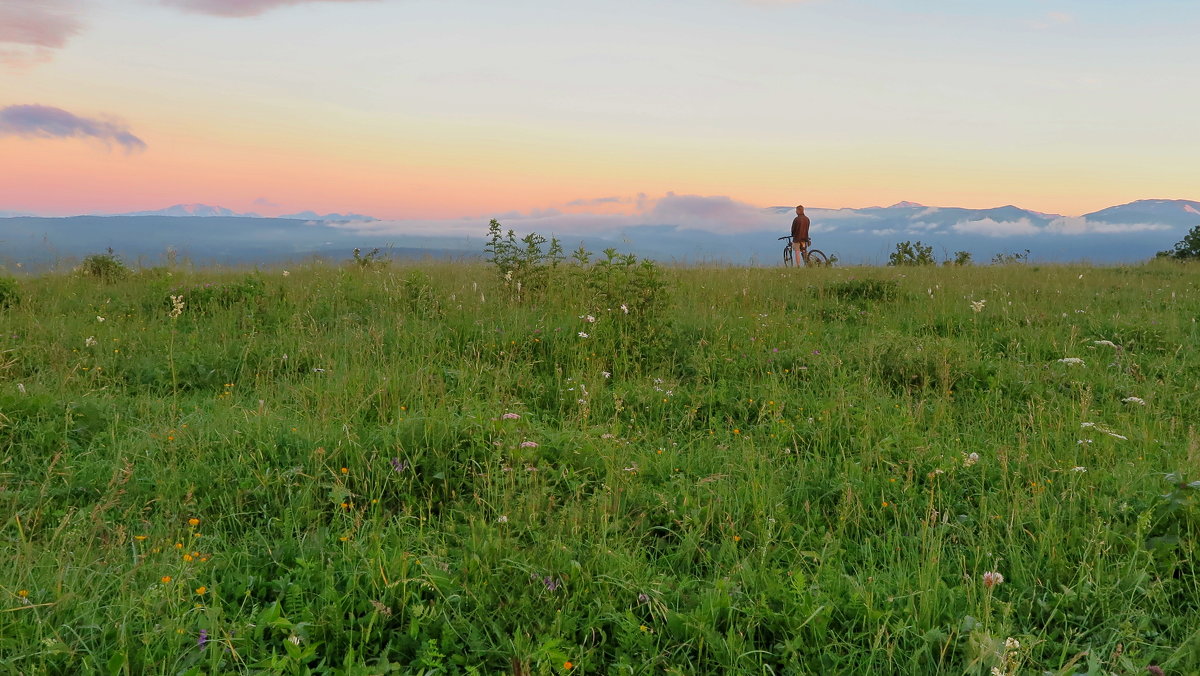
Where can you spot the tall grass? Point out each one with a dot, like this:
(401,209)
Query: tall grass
(741,471)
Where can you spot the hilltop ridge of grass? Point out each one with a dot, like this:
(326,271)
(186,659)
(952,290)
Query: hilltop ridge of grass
(433,468)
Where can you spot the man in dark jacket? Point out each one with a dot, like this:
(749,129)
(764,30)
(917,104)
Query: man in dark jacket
(800,240)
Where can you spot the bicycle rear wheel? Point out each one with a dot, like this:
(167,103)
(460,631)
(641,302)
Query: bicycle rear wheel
(816,258)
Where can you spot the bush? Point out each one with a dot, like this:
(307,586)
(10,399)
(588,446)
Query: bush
(372,260)
(10,293)
(522,263)
(107,267)
(911,253)
(1185,249)
(960,258)
(1010,258)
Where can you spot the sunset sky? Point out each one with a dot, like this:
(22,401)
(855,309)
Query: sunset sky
(462,108)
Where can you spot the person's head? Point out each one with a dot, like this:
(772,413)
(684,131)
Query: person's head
(799,209)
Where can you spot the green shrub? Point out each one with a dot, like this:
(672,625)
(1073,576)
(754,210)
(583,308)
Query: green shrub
(1187,248)
(911,253)
(106,267)
(1010,258)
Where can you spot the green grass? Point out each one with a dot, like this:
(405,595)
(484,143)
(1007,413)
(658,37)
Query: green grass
(751,471)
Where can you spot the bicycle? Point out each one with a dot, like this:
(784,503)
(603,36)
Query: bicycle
(813,258)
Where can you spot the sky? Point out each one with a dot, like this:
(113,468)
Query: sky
(466,109)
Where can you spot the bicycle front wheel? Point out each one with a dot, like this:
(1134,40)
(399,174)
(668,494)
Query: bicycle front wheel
(787,256)
(815,258)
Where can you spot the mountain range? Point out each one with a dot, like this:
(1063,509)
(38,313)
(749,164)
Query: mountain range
(212,234)
(207,211)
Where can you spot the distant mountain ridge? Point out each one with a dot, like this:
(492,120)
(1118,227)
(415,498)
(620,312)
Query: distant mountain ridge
(209,211)
(745,235)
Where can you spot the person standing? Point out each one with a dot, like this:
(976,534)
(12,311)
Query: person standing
(800,239)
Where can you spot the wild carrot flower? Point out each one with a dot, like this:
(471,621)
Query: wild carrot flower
(1134,400)
(1107,343)
(1072,361)
(529,444)
(511,416)
(992,578)
(1079,469)
(90,341)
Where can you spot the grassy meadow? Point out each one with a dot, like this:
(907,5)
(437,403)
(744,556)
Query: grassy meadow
(601,468)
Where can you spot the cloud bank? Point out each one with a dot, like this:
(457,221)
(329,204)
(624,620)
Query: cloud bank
(31,29)
(239,8)
(34,121)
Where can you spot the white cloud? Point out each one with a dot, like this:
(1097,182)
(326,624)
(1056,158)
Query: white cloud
(1077,225)
(992,228)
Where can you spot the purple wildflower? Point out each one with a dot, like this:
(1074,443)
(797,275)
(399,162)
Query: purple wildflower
(399,465)
(203,639)
(551,583)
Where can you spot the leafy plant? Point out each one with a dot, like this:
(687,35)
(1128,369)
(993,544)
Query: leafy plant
(372,260)
(961,258)
(107,267)
(524,266)
(911,253)
(1011,258)
(1185,249)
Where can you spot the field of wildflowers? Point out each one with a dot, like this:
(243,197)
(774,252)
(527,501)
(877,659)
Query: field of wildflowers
(602,467)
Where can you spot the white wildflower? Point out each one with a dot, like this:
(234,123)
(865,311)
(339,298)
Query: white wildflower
(503,518)
(1079,469)
(1107,343)
(1073,361)
(1011,643)
(606,374)
(99,318)
(992,578)
(176,306)
(977,305)
(970,459)
(1083,441)
(582,334)
(624,308)
(21,388)
(286,273)
(588,318)
(294,639)
(90,341)
(1134,400)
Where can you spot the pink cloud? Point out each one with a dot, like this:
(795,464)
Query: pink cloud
(34,121)
(238,8)
(30,29)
